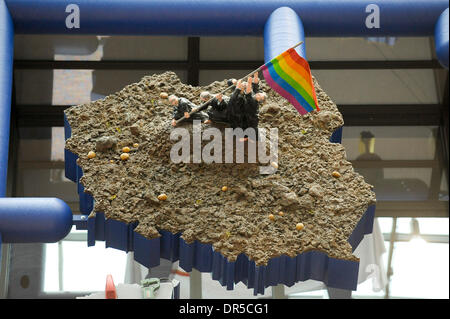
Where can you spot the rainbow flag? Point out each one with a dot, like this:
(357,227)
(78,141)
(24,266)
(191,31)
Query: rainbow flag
(289,75)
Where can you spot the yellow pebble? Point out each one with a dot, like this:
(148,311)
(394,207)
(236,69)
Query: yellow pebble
(126,149)
(336,174)
(111,161)
(124,156)
(299,226)
(91,154)
(274,165)
(135,145)
(271,217)
(224,188)
(281,213)
(162,197)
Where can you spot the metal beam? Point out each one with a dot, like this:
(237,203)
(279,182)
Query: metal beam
(390,114)
(216,65)
(193,59)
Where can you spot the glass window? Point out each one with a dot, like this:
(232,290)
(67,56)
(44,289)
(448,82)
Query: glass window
(71,265)
(420,270)
(341,49)
(45,47)
(435,226)
(390,142)
(41,165)
(147,48)
(105,82)
(231,49)
(378,86)
(385,224)
(400,162)
(73,87)
(33,87)
(208,76)
(93,48)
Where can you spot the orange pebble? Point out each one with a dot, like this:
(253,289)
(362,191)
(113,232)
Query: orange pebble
(224,188)
(91,154)
(299,226)
(135,145)
(162,197)
(271,217)
(281,213)
(336,174)
(126,149)
(124,156)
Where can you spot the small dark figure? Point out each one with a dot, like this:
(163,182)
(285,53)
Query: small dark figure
(182,107)
(235,109)
(232,82)
(255,83)
(218,107)
(251,106)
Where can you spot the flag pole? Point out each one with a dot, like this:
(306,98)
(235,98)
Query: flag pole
(204,105)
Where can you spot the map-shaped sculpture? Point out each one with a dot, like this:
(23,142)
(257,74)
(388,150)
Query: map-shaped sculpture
(228,233)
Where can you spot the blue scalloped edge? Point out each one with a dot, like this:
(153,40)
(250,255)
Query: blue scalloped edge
(285,270)
(74,173)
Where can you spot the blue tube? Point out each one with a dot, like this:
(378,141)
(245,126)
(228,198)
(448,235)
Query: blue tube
(341,18)
(31,220)
(283,30)
(441,39)
(6,61)
(22,220)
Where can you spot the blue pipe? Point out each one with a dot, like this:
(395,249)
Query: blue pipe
(340,18)
(6,62)
(283,30)
(22,220)
(30,220)
(441,39)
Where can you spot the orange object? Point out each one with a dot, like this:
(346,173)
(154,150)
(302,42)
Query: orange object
(180,273)
(110,290)
(162,197)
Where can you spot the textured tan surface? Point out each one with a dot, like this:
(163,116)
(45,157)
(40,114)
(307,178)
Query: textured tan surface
(237,220)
